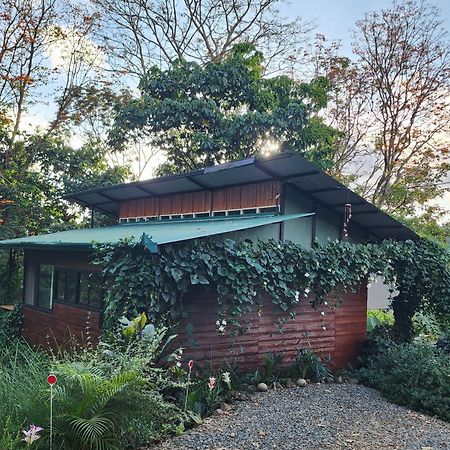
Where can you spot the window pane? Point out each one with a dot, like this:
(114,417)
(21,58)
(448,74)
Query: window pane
(60,280)
(71,287)
(44,291)
(95,289)
(84,288)
(30,283)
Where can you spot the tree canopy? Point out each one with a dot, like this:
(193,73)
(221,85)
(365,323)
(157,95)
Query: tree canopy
(205,115)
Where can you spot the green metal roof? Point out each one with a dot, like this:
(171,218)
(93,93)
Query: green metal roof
(151,234)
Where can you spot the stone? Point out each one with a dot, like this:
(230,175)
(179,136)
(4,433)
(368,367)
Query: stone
(262,387)
(301,382)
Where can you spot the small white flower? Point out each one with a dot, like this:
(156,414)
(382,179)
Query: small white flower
(307,275)
(178,364)
(329,270)
(224,322)
(221,328)
(322,313)
(181,351)
(307,290)
(297,295)
(217,323)
(226,378)
(325,303)
(324,328)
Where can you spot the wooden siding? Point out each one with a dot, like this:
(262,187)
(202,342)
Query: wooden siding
(55,327)
(61,325)
(344,333)
(235,197)
(342,339)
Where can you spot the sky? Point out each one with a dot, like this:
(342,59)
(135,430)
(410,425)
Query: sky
(336,18)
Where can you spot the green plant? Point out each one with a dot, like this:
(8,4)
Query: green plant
(308,365)
(443,343)
(411,374)
(106,398)
(271,371)
(378,317)
(430,325)
(287,273)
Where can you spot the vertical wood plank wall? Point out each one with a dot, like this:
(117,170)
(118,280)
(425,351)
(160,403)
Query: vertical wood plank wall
(342,338)
(234,197)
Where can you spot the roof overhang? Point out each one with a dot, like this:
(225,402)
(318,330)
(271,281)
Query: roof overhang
(150,234)
(292,169)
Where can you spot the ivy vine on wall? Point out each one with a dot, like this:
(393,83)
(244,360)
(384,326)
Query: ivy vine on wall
(241,274)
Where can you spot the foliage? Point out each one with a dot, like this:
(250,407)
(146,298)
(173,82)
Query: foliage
(411,374)
(308,365)
(110,397)
(242,274)
(271,371)
(378,317)
(443,343)
(204,115)
(430,325)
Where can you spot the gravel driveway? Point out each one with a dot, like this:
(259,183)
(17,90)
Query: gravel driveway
(333,416)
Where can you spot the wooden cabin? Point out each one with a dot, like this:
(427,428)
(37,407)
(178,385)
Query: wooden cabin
(283,197)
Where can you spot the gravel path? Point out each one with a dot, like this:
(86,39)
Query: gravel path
(334,416)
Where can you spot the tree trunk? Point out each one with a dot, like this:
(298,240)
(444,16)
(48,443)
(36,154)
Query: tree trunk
(404,310)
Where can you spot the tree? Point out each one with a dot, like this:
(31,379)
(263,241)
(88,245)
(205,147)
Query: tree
(403,55)
(46,63)
(205,115)
(138,34)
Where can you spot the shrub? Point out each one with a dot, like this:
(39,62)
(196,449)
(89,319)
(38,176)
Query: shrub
(271,371)
(443,343)
(411,374)
(431,325)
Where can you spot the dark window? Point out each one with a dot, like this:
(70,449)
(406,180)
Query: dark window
(43,291)
(78,288)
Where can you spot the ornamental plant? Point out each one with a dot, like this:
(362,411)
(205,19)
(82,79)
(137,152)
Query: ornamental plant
(244,274)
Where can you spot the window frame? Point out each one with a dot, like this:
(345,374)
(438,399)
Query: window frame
(37,275)
(57,270)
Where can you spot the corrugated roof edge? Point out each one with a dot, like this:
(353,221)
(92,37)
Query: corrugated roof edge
(238,223)
(109,205)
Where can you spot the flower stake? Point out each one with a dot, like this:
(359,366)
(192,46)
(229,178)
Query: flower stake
(51,380)
(190,365)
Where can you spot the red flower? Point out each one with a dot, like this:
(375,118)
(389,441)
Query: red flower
(191,364)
